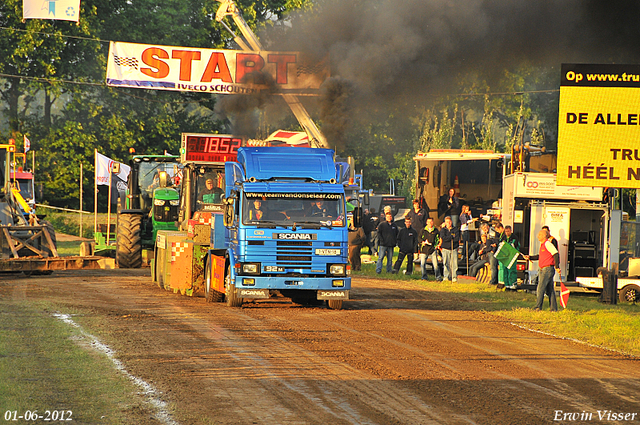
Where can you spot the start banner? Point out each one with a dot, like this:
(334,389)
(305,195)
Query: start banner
(213,71)
(599,126)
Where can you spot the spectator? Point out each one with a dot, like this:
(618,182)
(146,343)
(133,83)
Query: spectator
(418,216)
(428,239)
(388,237)
(549,263)
(449,242)
(508,277)
(356,239)
(493,262)
(407,242)
(465,220)
(473,250)
(449,205)
(483,255)
(381,219)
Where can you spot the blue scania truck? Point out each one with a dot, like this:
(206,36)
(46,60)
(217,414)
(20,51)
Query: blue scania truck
(285,230)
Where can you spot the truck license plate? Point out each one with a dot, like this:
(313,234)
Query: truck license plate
(328,251)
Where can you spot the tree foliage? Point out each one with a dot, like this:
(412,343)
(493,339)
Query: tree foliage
(52,90)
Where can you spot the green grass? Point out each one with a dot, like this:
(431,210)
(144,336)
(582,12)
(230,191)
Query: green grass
(615,327)
(69,223)
(43,366)
(68,248)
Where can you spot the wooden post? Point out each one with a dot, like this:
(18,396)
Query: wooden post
(81,209)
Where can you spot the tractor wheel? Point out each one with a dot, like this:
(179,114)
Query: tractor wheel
(335,304)
(129,241)
(210,294)
(230,289)
(630,294)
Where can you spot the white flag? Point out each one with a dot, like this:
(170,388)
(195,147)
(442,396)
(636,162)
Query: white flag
(104,164)
(27,144)
(63,10)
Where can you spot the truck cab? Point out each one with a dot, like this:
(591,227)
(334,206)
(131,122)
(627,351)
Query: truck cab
(287,227)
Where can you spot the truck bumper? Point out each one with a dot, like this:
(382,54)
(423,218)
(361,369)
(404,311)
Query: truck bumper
(288,282)
(258,287)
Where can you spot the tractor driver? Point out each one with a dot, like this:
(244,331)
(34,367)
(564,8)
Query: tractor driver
(211,194)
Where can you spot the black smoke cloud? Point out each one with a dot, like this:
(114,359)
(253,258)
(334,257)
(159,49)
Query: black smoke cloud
(421,46)
(392,52)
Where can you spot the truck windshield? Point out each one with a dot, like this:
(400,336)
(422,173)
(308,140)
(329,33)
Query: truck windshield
(325,209)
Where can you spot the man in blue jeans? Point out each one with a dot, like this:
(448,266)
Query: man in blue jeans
(549,263)
(388,237)
(428,240)
(449,242)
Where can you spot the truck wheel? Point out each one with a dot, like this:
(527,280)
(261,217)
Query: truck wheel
(230,288)
(630,294)
(210,294)
(129,241)
(335,304)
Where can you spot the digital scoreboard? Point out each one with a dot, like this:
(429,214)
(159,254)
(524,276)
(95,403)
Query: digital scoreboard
(209,148)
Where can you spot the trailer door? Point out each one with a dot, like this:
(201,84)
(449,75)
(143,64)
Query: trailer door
(558,219)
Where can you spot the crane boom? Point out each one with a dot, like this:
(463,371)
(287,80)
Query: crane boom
(251,43)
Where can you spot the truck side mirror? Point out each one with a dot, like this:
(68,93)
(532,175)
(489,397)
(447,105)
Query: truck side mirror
(229,212)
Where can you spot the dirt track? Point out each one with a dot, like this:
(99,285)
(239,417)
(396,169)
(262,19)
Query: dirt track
(395,354)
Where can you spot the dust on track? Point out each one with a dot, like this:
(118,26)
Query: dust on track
(396,354)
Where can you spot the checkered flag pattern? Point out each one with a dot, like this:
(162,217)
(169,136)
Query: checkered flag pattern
(177,248)
(204,220)
(310,69)
(120,61)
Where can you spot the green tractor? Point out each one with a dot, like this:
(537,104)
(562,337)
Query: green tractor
(152,203)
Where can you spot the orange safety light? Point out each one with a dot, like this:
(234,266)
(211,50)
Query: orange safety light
(132,151)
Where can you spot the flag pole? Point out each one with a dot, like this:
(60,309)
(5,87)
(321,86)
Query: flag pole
(109,207)
(95,192)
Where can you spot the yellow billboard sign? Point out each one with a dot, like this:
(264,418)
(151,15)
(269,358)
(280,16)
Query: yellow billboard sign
(599,126)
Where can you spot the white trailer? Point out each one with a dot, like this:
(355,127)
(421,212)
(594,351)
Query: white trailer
(576,217)
(475,175)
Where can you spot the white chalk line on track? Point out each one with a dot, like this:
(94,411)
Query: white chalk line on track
(148,390)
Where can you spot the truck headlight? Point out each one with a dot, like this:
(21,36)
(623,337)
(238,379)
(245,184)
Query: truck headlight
(158,202)
(250,268)
(174,202)
(337,269)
